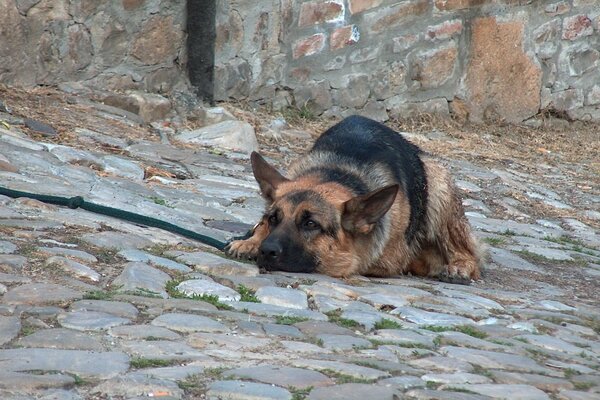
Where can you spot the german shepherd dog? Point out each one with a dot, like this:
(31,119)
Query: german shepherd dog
(364,201)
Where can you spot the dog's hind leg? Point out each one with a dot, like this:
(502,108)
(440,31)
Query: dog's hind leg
(249,248)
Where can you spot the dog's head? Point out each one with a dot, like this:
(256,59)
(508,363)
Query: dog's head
(315,225)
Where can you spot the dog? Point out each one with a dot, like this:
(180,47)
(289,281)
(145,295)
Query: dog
(366,201)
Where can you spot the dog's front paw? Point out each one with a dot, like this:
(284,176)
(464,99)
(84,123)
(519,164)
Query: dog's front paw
(456,273)
(243,249)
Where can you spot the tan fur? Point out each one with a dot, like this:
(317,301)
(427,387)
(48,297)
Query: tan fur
(446,248)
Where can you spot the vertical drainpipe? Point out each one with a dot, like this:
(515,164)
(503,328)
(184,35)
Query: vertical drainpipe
(201,46)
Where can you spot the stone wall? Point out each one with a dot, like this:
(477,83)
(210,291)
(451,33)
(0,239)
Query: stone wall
(485,60)
(108,44)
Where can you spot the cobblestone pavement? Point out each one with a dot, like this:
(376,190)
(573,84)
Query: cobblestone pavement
(96,308)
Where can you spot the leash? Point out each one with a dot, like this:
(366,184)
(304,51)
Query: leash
(79,202)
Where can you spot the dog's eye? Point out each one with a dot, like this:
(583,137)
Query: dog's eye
(273,219)
(310,224)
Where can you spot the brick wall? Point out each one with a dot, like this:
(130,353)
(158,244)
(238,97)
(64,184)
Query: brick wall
(486,60)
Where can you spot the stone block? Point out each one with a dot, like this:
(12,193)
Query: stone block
(433,68)
(129,5)
(353,91)
(400,109)
(577,26)
(308,46)
(364,54)
(317,12)
(344,36)
(593,96)
(566,100)
(314,95)
(452,5)
(357,6)
(545,38)
(579,59)
(404,42)
(388,80)
(502,82)
(150,107)
(445,30)
(391,17)
(155,43)
(558,8)
(232,135)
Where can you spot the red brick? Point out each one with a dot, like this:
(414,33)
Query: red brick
(448,5)
(357,6)
(344,36)
(387,17)
(316,12)
(444,30)
(577,26)
(309,46)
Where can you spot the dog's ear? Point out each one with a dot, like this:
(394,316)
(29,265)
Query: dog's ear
(362,212)
(268,178)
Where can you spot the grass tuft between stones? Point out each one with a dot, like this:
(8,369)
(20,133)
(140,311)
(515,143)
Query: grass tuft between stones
(288,320)
(300,393)
(341,378)
(140,362)
(247,294)
(466,329)
(385,323)
(335,317)
(171,289)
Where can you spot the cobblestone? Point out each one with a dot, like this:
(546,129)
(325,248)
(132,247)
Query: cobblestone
(529,329)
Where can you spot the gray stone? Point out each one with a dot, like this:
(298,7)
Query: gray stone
(442,364)
(186,323)
(493,360)
(281,376)
(162,349)
(138,276)
(282,331)
(73,267)
(123,168)
(200,287)
(343,342)
(459,377)
(283,297)
(141,256)
(232,342)
(231,135)
(501,391)
(90,320)
(402,382)
(379,300)
(430,394)
(17,383)
(61,338)
(421,317)
(353,370)
(240,390)
(214,265)
(314,328)
(463,340)
(507,259)
(176,373)
(13,262)
(82,255)
(402,337)
(40,293)
(9,328)
(366,315)
(118,308)
(576,395)
(269,310)
(116,240)
(138,384)
(143,332)
(86,364)
(7,247)
(556,306)
(353,391)
(552,343)
(542,382)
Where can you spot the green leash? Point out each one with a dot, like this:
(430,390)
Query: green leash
(79,202)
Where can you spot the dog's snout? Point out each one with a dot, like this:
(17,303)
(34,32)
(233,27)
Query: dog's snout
(271,250)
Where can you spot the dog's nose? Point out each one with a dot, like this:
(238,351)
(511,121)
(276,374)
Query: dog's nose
(270,250)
